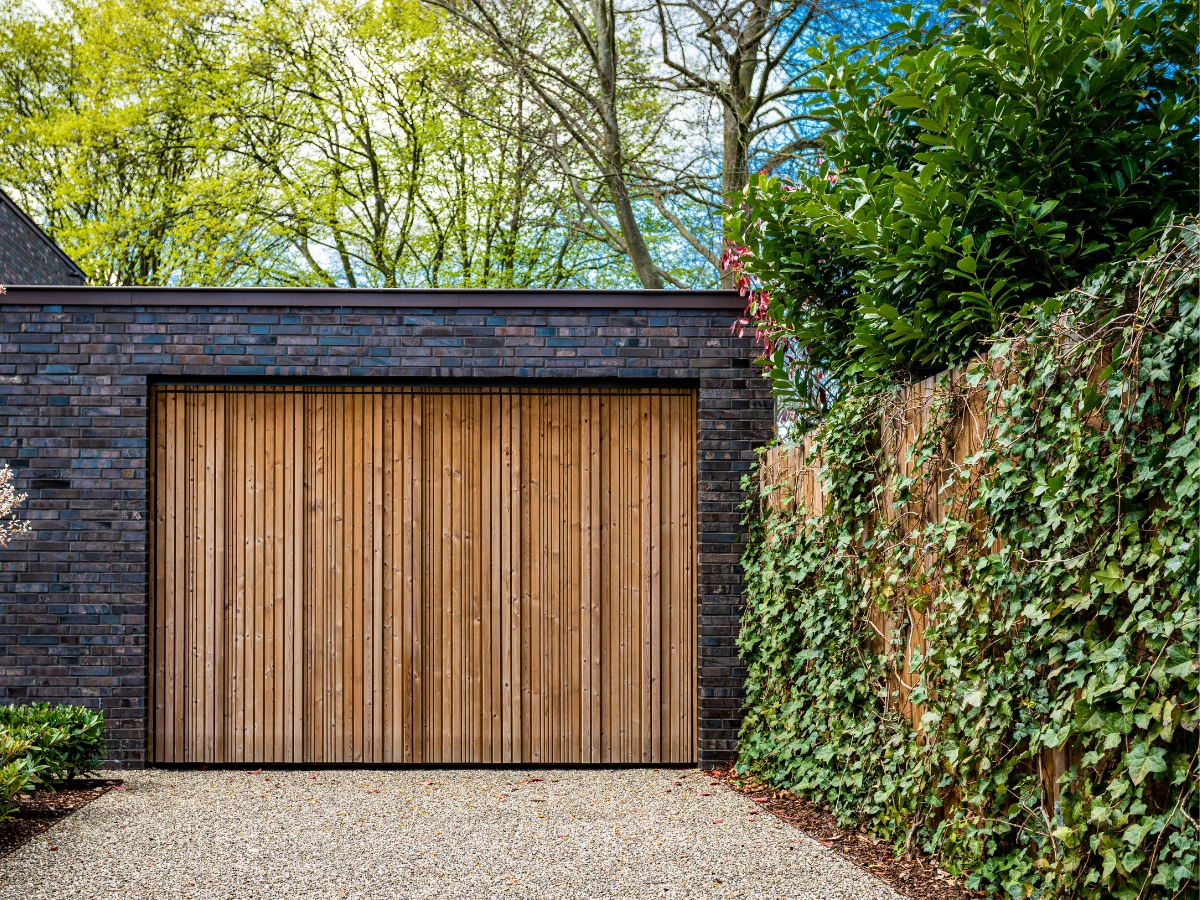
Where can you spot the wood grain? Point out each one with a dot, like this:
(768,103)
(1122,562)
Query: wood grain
(423,574)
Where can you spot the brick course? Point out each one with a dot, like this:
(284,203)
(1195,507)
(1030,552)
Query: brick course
(73,402)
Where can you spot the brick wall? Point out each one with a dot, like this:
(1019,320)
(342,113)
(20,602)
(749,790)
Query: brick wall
(27,255)
(73,392)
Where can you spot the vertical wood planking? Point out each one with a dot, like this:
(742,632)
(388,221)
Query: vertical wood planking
(421,574)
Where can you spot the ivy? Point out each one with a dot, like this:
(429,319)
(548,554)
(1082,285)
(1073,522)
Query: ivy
(1060,592)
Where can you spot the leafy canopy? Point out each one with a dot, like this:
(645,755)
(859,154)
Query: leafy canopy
(973,166)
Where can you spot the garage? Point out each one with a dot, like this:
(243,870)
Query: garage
(419,573)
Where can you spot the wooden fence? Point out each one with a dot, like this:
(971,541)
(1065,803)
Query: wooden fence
(792,477)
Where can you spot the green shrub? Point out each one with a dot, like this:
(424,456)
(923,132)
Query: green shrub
(972,169)
(1060,587)
(17,771)
(65,741)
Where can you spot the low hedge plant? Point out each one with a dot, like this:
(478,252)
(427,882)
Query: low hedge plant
(18,770)
(45,746)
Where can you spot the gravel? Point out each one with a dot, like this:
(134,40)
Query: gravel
(442,833)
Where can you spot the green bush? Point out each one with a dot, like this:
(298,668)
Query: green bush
(17,771)
(65,741)
(973,169)
(1061,594)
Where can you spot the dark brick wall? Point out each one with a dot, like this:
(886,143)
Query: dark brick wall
(73,391)
(27,255)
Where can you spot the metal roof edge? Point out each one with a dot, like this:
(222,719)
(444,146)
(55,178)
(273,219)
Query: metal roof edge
(392,298)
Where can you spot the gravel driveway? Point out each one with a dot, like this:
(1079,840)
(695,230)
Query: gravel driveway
(559,834)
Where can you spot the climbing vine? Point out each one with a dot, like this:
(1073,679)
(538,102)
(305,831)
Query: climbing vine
(1055,753)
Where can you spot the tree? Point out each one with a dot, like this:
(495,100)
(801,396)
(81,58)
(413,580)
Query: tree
(113,135)
(10,525)
(972,169)
(571,57)
(747,57)
(353,142)
(374,124)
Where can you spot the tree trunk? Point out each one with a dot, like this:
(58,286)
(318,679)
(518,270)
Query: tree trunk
(604,17)
(740,110)
(631,231)
(735,163)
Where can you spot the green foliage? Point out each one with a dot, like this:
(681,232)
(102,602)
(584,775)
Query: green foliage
(358,143)
(972,168)
(206,142)
(1060,588)
(62,742)
(17,771)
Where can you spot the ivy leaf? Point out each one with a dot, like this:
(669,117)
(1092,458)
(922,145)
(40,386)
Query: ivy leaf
(1136,832)
(1143,759)
(1180,662)
(972,696)
(1110,577)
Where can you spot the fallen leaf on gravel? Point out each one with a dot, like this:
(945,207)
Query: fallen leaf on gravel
(426,782)
(529,781)
(718,821)
(118,789)
(761,799)
(376,791)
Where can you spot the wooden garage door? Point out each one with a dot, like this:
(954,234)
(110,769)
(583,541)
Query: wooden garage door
(423,575)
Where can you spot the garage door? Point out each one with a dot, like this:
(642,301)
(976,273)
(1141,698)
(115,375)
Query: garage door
(423,575)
